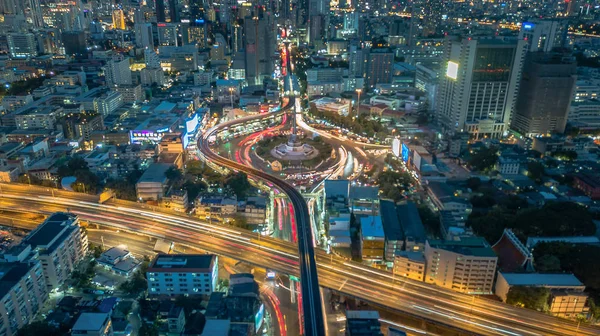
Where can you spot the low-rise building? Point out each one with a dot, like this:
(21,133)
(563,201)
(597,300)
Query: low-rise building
(152,184)
(508,165)
(587,183)
(183,274)
(410,264)
(467,265)
(372,238)
(93,324)
(119,260)
(567,297)
(215,207)
(363,323)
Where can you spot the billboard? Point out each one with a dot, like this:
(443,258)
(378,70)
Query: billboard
(405,153)
(258,318)
(396,147)
(452,70)
(191,124)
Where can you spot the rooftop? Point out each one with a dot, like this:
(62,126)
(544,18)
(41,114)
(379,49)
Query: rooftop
(372,227)
(411,222)
(155,173)
(391,224)
(537,279)
(47,232)
(10,275)
(90,321)
(183,262)
(471,246)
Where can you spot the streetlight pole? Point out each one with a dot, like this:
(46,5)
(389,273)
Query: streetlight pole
(358,103)
(231,96)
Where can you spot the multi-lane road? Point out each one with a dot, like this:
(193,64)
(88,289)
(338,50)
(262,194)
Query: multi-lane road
(430,303)
(311,298)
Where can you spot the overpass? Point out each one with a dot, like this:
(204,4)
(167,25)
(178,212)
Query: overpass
(309,282)
(434,305)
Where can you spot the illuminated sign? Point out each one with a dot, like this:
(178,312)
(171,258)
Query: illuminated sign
(396,147)
(270,275)
(199,20)
(258,318)
(162,25)
(528,25)
(452,70)
(405,153)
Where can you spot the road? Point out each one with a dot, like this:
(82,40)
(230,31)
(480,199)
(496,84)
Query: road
(311,298)
(427,302)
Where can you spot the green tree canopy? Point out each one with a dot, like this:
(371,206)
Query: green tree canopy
(485,159)
(528,297)
(239,184)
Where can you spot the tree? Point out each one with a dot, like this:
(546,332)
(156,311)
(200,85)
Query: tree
(137,283)
(174,175)
(567,155)
(528,297)
(554,220)
(96,250)
(485,159)
(148,330)
(238,183)
(547,263)
(240,221)
(38,328)
(535,170)
(430,220)
(189,304)
(474,183)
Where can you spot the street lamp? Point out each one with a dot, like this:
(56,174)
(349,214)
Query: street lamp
(358,103)
(231,96)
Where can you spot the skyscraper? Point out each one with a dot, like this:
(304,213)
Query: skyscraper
(478,91)
(118,18)
(259,47)
(167,34)
(544,75)
(75,43)
(544,35)
(379,67)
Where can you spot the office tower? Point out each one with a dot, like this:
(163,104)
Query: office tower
(160,10)
(219,48)
(196,34)
(356,61)
(196,11)
(75,43)
(479,86)
(378,67)
(174,11)
(545,94)
(143,35)
(544,35)
(118,19)
(259,47)
(117,72)
(22,45)
(167,34)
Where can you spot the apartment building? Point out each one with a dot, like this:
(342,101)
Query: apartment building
(22,292)
(187,274)
(467,265)
(60,244)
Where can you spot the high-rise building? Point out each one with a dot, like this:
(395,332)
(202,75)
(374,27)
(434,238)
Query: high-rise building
(75,43)
(117,72)
(22,45)
(174,11)
(196,34)
(478,91)
(544,35)
(544,75)
(60,244)
(160,10)
(118,19)
(167,34)
(151,59)
(143,35)
(379,67)
(259,47)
